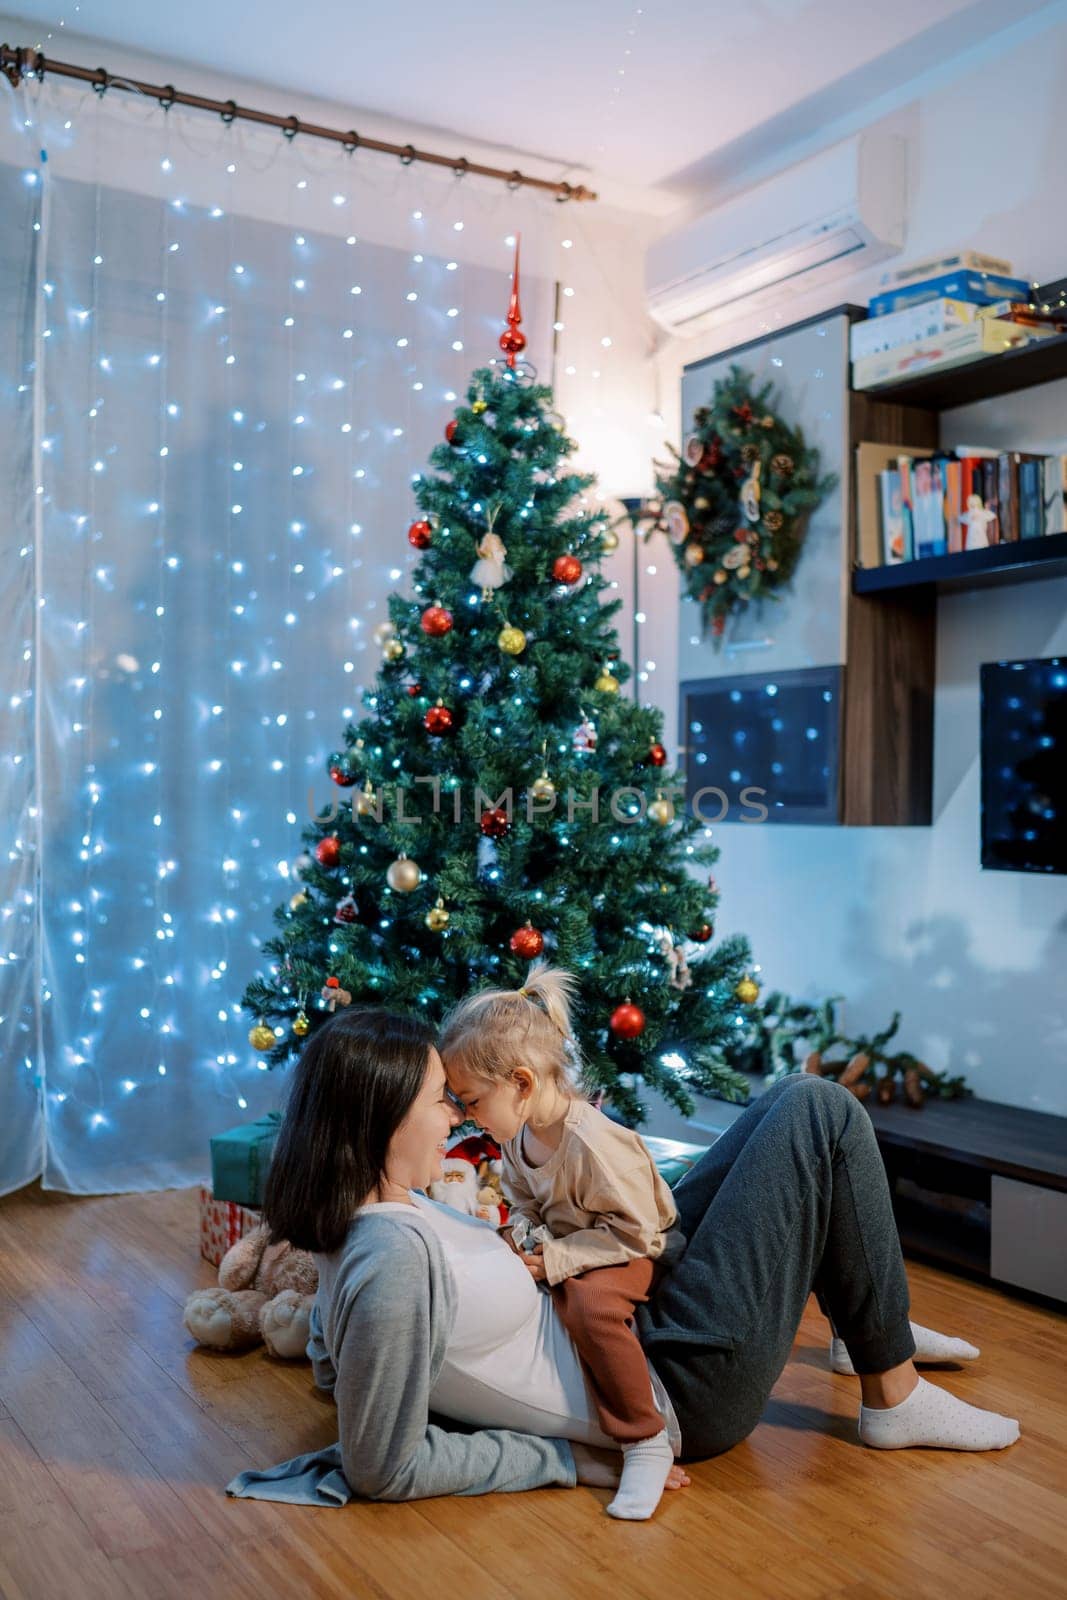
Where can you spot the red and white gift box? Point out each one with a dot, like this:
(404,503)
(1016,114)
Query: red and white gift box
(222,1223)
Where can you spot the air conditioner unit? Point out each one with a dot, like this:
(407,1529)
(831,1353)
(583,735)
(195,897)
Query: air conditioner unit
(838,212)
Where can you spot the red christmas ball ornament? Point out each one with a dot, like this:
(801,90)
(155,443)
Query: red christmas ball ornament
(414,689)
(495,823)
(566,569)
(513,343)
(627,1021)
(342,777)
(436,621)
(450,430)
(328,850)
(438,720)
(702,934)
(527,942)
(419,534)
(657,755)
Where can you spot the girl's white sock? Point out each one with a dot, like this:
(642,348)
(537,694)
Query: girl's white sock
(929,1346)
(933,1417)
(645,1466)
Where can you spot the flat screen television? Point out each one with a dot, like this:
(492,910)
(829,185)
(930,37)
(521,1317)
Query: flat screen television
(1024,765)
(762,747)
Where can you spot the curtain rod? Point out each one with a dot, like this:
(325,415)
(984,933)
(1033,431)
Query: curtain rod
(18,63)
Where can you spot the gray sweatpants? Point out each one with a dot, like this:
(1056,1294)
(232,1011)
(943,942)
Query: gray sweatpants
(792,1198)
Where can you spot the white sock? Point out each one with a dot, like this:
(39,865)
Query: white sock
(931,1416)
(929,1346)
(645,1466)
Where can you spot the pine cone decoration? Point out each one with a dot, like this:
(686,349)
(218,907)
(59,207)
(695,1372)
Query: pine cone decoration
(772,521)
(750,453)
(783,465)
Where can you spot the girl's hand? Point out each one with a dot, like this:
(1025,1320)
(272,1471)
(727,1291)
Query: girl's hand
(535,1265)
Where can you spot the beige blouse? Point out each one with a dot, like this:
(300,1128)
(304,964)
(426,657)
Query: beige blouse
(600,1193)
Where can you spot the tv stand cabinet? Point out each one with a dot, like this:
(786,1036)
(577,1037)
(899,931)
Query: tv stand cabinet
(980,1187)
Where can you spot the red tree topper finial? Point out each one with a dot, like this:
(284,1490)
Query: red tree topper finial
(513,340)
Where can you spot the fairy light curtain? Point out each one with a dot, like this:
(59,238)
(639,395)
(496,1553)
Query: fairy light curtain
(231,356)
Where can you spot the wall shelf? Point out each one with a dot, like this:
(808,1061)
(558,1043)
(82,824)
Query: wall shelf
(1000,564)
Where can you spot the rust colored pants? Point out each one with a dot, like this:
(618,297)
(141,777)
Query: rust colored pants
(596,1309)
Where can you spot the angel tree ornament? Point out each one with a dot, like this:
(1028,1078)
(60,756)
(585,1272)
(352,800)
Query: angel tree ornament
(679,975)
(491,571)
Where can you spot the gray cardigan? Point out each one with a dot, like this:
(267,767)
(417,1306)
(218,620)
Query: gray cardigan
(380,1326)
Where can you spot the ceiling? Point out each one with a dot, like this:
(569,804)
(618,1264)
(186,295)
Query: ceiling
(663,96)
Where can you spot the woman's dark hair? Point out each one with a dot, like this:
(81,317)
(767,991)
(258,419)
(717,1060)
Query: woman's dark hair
(354,1084)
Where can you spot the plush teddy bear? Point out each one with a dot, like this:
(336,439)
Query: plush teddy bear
(265,1293)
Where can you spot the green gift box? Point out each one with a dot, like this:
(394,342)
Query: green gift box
(240,1160)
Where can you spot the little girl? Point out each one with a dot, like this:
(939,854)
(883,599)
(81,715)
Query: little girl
(604,1216)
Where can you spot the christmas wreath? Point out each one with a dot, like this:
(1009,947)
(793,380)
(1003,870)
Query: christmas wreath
(735,503)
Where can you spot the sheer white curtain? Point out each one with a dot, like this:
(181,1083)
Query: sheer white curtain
(226,358)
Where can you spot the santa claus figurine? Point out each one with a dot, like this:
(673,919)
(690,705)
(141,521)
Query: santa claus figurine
(470,1180)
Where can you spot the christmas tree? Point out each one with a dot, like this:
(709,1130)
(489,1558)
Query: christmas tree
(501,799)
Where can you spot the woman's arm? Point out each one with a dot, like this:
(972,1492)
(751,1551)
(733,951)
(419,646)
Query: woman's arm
(389,1450)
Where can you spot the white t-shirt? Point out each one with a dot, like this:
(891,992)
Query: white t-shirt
(510,1361)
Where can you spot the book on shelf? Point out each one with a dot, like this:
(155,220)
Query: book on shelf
(871,462)
(896,524)
(979,288)
(1055,494)
(969,342)
(923,321)
(917,505)
(1031,497)
(954,261)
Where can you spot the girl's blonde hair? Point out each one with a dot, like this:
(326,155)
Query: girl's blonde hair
(496,1030)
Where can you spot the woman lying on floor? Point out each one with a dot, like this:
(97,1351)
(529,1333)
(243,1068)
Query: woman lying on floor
(421,1309)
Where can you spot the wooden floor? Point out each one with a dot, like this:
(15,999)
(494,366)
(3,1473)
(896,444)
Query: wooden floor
(116,1438)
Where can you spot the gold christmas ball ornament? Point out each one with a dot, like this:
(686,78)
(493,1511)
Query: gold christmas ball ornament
(403,875)
(694,555)
(609,540)
(511,640)
(437,918)
(543,788)
(745,571)
(721,576)
(301,1024)
(661,812)
(262,1036)
(772,565)
(393,650)
(298,899)
(747,991)
(607,683)
(366,800)
(478,406)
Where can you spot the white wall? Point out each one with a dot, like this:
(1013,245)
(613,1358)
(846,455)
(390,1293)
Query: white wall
(905,918)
